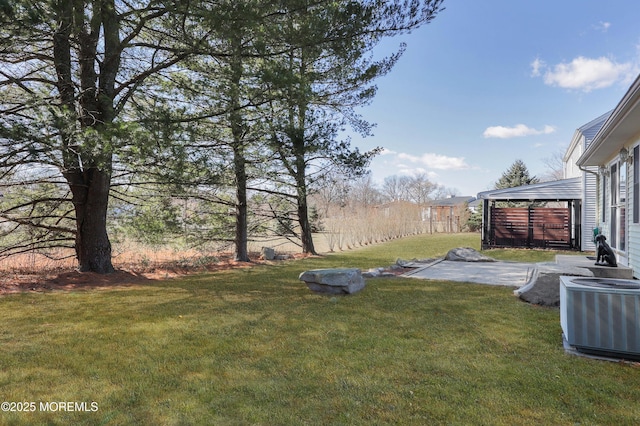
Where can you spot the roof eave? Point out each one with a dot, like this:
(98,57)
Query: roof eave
(618,129)
(559,190)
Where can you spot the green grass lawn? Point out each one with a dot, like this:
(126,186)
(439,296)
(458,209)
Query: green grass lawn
(255,346)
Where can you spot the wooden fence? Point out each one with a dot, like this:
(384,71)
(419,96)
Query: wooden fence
(542,227)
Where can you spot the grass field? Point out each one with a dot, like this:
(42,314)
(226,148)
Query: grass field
(255,347)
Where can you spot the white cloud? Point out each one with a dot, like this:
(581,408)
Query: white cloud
(602,26)
(405,169)
(587,74)
(435,161)
(536,66)
(386,151)
(518,130)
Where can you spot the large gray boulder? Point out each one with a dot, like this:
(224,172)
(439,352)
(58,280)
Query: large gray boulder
(544,286)
(334,281)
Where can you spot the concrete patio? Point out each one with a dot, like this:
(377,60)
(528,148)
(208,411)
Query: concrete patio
(598,271)
(512,274)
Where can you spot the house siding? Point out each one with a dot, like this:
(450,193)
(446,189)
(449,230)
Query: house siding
(634,249)
(634,228)
(581,140)
(589,211)
(571,169)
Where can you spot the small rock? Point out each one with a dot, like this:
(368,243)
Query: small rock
(371,273)
(268,253)
(414,263)
(467,254)
(405,263)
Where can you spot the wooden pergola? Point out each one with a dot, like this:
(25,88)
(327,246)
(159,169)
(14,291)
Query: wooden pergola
(531,226)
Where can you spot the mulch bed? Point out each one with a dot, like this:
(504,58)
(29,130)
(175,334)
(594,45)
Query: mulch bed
(27,281)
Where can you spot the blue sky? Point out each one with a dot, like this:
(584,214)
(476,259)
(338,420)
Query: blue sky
(489,82)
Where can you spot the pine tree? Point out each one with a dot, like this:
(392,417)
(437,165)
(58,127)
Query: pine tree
(70,70)
(516,175)
(325,71)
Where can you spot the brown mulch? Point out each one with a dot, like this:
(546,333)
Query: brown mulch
(66,280)
(27,281)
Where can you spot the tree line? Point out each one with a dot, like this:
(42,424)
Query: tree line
(104,103)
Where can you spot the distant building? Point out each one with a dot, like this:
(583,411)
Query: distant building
(448,214)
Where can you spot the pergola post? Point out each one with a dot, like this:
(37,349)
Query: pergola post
(486,225)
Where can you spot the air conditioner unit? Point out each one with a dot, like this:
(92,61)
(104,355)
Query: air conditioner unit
(601,315)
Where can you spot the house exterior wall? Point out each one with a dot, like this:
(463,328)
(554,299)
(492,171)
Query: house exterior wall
(620,132)
(570,168)
(630,254)
(589,210)
(589,206)
(634,222)
(589,185)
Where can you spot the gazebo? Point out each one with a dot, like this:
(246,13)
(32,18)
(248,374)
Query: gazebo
(531,226)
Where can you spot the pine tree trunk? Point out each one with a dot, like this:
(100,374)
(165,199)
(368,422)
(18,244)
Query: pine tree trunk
(305,226)
(306,236)
(241,237)
(90,191)
(239,161)
(87,173)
